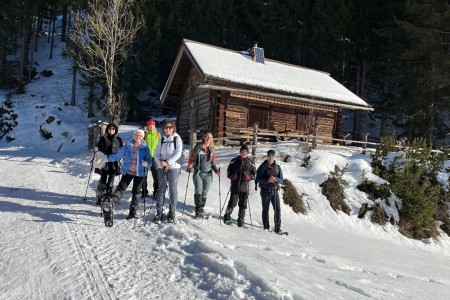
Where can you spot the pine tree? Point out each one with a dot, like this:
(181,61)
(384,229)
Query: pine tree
(426,68)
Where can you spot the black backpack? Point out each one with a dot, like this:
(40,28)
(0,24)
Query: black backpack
(174,141)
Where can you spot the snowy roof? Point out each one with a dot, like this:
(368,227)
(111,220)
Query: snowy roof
(237,68)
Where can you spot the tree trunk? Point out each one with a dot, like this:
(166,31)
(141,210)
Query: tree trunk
(53,37)
(49,30)
(64,22)
(431,121)
(36,32)
(30,69)
(22,54)
(74,84)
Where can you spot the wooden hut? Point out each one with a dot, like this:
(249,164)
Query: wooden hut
(227,92)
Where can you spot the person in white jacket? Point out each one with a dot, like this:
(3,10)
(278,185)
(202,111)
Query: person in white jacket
(168,156)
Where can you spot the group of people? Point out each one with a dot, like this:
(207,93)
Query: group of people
(161,153)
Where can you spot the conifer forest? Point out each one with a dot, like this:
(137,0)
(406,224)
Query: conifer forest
(394,54)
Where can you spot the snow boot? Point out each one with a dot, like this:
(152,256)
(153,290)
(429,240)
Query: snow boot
(157,218)
(133,208)
(227,219)
(100,192)
(202,205)
(197,200)
(171,217)
(131,215)
(241,217)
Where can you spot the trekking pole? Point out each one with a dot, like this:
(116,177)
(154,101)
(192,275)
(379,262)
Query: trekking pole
(225,202)
(144,188)
(185,194)
(220,201)
(276,205)
(249,210)
(89,179)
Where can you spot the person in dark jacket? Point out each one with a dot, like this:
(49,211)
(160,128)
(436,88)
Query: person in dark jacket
(136,161)
(203,162)
(270,176)
(240,171)
(108,144)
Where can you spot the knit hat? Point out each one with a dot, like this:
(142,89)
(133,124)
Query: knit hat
(271,153)
(111,125)
(139,131)
(244,147)
(151,122)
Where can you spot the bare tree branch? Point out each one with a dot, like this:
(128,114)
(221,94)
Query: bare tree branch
(104,35)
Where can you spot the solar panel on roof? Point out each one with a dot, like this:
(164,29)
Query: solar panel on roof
(259,54)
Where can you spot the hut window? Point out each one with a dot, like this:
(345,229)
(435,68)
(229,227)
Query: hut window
(258,115)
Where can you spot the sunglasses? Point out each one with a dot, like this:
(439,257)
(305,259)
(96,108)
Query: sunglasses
(271,155)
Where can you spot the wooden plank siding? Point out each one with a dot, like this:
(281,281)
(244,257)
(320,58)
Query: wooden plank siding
(228,113)
(283,115)
(194,108)
(282,120)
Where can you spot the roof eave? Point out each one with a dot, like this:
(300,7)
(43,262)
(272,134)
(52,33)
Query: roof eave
(214,85)
(183,49)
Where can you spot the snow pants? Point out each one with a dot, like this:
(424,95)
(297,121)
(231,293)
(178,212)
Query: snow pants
(202,182)
(270,196)
(170,178)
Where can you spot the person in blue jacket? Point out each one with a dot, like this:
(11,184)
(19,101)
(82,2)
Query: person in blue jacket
(269,176)
(136,161)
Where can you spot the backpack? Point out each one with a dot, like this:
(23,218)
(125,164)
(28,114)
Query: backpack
(174,141)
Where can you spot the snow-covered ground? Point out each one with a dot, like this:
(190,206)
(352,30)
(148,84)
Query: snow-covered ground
(54,245)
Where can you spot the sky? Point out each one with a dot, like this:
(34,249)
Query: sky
(54,245)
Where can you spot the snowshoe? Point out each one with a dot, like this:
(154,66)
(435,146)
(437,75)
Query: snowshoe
(242,225)
(227,222)
(281,232)
(131,216)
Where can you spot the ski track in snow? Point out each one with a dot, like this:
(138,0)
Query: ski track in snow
(68,253)
(155,256)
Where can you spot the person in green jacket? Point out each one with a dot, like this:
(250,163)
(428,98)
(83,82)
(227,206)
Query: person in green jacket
(151,139)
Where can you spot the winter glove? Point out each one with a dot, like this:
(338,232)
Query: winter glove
(145,164)
(233,177)
(99,160)
(246,177)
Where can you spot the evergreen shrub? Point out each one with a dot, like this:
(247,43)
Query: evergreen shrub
(333,189)
(292,198)
(374,190)
(410,182)
(378,216)
(386,146)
